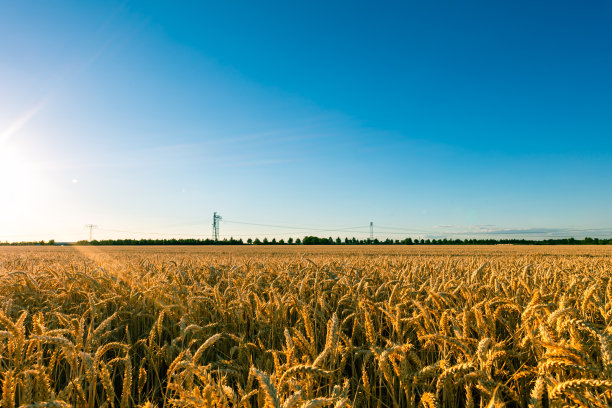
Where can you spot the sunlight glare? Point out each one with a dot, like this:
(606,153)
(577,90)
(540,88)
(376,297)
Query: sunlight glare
(18,182)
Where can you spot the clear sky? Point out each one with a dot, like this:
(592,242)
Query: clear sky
(428,118)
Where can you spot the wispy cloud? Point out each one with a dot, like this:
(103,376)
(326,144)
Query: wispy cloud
(264,162)
(552,232)
(535,233)
(172,156)
(232,151)
(250,140)
(493,231)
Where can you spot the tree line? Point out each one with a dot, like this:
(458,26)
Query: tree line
(312,240)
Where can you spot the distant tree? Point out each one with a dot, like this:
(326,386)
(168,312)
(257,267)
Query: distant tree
(281,241)
(273,241)
(257,241)
(297,241)
(265,241)
(290,241)
(309,240)
(249,241)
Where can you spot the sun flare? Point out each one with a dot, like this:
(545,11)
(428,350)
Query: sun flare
(18,182)
(12,165)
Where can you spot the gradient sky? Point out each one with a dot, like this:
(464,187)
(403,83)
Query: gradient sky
(428,118)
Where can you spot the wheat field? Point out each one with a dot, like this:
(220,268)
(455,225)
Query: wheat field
(306,327)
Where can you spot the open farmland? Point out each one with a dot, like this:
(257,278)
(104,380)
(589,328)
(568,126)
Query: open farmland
(299,326)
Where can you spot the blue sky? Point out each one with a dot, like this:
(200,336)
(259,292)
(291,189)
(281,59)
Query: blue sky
(427,118)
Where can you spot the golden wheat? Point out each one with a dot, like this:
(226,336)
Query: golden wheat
(344,327)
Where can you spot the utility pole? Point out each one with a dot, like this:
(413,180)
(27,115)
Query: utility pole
(216,219)
(91,228)
(371,231)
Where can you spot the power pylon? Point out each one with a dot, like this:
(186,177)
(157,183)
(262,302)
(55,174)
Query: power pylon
(216,219)
(371,231)
(91,228)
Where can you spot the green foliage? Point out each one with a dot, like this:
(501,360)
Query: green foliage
(312,240)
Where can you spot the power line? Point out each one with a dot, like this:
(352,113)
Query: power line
(396,231)
(361,229)
(383,229)
(203,235)
(343,229)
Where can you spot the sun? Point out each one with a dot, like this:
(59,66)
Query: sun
(30,198)
(12,166)
(18,182)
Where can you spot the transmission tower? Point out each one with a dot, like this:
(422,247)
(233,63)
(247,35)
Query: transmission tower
(371,231)
(216,219)
(91,228)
